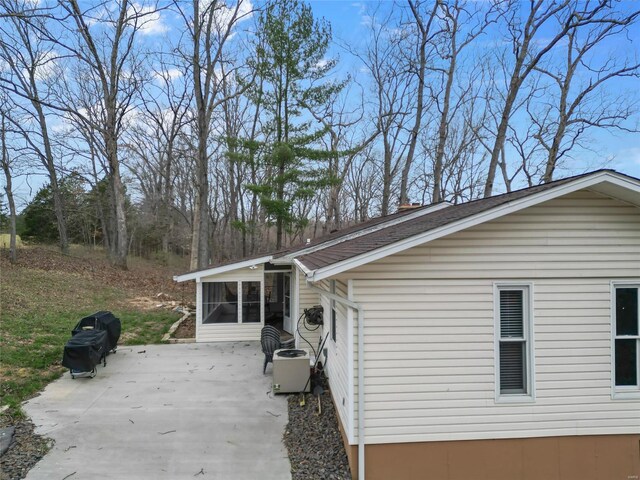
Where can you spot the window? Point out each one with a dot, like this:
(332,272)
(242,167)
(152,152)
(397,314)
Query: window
(220,302)
(333,312)
(626,338)
(514,364)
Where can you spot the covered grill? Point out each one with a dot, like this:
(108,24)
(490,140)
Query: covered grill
(84,351)
(102,320)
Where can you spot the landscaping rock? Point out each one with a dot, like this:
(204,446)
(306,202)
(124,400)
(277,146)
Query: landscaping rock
(6,437)
(313,440)
(24,452)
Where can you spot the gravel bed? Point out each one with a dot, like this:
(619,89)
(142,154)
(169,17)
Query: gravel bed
(314,443)
(25,451)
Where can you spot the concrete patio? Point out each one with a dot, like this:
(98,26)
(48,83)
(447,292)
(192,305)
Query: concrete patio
(165,412)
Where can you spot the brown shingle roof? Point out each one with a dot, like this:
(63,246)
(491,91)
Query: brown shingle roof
(343,232)
(387,236)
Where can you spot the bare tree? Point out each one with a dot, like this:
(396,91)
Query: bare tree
(209,27)
(531,42)
(7,166)
(581,103)
(153,140)
(31,62)
(393,92)
(108,61)
(462,23)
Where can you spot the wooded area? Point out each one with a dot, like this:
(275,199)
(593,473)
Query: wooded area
(244,132)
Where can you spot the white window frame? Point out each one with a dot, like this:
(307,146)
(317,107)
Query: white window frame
(240,312)
(528,332)
(622,392)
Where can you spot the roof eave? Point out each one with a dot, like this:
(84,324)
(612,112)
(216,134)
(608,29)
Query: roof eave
(222,269)
(613,178)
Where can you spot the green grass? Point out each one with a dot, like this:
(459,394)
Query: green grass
(32,347)
(38,311)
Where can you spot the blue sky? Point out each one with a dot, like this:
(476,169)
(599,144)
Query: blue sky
(620,150)
(613,149)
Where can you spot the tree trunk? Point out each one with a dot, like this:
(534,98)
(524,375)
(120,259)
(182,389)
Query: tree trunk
(120,249)
(53,177)
(386,178)
(200,239)
(8,188)
(444,124)
(422,66)
(501,134)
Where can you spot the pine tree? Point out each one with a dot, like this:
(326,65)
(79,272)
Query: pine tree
(291,49)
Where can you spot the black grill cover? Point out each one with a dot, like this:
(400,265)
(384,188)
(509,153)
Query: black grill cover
(85,350)
(102,321)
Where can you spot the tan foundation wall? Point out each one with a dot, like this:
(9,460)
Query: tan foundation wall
(597,457)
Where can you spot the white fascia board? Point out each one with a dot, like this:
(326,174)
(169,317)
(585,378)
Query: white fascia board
(302,268)
(496,212)
(329,243)
(621,188)
(217,270)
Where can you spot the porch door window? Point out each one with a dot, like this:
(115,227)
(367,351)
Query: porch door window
(286,295)
(251,302)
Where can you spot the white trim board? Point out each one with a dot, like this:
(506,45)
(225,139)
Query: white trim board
(222,269)
(482,217)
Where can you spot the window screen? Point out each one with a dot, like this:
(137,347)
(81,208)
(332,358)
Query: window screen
(220,302)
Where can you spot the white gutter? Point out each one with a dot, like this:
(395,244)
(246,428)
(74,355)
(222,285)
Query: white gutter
(358,308)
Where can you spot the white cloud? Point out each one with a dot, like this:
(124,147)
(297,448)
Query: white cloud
(227,14)
(169,74)
(149,20)
(46,66)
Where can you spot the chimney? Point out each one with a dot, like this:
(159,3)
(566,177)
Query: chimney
(408,206)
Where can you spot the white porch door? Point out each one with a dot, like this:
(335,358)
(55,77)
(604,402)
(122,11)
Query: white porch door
(287,324)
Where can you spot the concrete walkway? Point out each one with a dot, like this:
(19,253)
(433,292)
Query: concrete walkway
(181,411)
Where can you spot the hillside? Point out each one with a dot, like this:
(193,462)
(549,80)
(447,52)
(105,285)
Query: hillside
(45,293)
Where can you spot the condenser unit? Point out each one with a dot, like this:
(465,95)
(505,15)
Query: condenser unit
(291,370)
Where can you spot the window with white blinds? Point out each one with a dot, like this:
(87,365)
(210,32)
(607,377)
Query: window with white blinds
(513,341)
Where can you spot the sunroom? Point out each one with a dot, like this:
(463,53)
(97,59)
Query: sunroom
(234,301)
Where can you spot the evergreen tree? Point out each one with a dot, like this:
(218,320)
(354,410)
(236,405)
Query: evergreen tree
(293,72)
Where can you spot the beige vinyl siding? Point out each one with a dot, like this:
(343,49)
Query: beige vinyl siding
(429,326)
(306,299)
(583,233)
(229,332)
(337,363)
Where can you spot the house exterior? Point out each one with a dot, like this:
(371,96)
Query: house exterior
(496,339)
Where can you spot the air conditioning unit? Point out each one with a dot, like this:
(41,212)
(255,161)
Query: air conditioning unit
(291,370)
